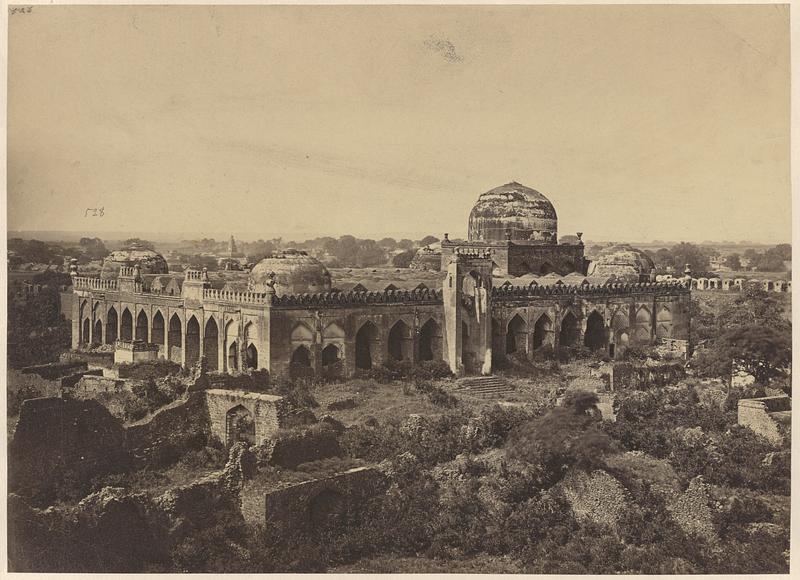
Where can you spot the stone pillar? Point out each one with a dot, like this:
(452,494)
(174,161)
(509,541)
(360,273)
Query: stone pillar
(222,353)
(76,320)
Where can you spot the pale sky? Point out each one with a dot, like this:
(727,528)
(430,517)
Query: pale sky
(638,122)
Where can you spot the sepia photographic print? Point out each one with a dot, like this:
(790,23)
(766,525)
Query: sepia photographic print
(496,289)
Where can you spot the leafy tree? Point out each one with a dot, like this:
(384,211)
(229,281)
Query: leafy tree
(734,261)
(405,244)
(685,253)
(93,248)
(403,260)
(428,240)
(566,436)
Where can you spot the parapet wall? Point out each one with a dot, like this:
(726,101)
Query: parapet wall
(310,503)
(641,377)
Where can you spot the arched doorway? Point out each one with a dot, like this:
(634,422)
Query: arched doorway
(568,335)
(111,326)
(366,336)
(251,357)
(127,325)
(97,335)
(400,344)
(595,336)
(233,356)
(517,336)
(210,345)
(240,426)
(330,355)
(301,356)
(158,328)
(542,332)
(192,342)
(300,364)
(175,338)
(430,341)
(85,331)
(141,326)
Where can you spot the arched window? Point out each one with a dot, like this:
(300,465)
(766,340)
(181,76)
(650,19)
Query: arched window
(366,337)
(400,341)
(141,326)
(542,332)
(595,336)
(210,345)
(430,341)
(517,335)
(568,335)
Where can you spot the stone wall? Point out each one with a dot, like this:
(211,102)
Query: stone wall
(765,415)
(266,412)
(61,442)
(57,370)
(641,377)
(303,506)
(160,439)
(90,385)
(73,379)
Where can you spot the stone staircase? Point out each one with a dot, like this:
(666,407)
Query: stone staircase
(489,387)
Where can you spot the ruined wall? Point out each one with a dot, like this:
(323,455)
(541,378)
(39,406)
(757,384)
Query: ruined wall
(60,442)
(641,377)
(266,412)
(764,416)
(162,438)
(57,370)
(73,379)
(308,504)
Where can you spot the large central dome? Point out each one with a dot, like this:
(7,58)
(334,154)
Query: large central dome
(513,212)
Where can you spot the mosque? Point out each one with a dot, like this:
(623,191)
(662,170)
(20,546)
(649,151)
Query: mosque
(511,288)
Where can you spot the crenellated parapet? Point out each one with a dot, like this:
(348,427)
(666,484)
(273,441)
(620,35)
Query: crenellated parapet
(333,299)
(510,292)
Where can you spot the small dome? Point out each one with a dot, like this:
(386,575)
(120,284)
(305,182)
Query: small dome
(627,263)
(150,261)
(294,272)
(513,211)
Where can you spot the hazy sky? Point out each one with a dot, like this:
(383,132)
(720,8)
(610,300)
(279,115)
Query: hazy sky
(638,122)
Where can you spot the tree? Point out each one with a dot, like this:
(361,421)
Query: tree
(93,248)
(428,240)
(734,261)
(405,244)
(403,260)
(685,253)
(566,436)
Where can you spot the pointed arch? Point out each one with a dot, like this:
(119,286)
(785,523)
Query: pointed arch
(399,342)
(142,326)
(643,316)
(330,355)
(366,341)
(126,328)
(250,333)
(517,335)
(542,332)
(85,331)
(430,341)
(595,336)
(175,338)
(333,332)
(251,357)
(211,344)
(192,341)
(302,333)
(112,321)
(239,426)
(568,333)
(97,335)
(664,315)
(233,355)
(158,328)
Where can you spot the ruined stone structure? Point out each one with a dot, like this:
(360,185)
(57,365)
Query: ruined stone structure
(291,323)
